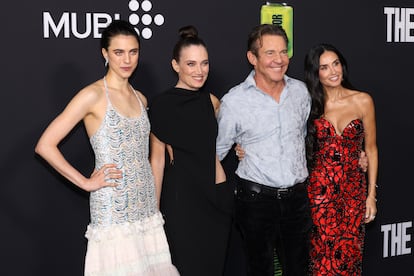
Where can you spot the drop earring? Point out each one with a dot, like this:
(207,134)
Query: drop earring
(106,62)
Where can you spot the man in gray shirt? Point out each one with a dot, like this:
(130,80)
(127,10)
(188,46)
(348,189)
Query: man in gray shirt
(266,114)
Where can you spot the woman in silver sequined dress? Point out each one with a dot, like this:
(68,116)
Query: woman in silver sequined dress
(125,235)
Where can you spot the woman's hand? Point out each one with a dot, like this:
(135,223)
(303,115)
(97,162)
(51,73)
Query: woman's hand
(100,177)
(371,209)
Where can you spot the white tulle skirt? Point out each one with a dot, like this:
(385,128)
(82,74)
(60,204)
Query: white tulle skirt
(130,249)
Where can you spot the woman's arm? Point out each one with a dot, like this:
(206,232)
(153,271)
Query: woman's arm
(157,160)
(220,174)
(47,146)
(372,154)
(216,103)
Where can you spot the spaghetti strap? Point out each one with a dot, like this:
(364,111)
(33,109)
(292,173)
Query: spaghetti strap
(139,99)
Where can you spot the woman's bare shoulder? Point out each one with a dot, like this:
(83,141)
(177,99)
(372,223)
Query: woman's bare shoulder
(362,96)
(362,100)
(92,92)
(142,97)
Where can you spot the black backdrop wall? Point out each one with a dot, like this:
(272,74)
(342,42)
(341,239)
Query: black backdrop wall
(50,50)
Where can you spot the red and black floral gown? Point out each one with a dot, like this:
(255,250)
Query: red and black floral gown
(337,192)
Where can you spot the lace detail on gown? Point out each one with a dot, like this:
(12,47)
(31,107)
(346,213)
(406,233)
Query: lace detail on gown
(337,192)
(123,141)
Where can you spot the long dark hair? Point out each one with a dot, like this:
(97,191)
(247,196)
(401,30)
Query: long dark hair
(317,92)
(188,36)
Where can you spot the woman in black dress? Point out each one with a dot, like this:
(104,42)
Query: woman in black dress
(189,178)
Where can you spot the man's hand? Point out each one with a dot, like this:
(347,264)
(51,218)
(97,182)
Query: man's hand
(363,161)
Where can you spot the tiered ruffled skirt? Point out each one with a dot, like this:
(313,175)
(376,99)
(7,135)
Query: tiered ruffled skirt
(129,249)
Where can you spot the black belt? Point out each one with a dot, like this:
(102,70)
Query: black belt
(279,193)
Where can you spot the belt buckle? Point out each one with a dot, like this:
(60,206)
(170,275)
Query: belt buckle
(281,192)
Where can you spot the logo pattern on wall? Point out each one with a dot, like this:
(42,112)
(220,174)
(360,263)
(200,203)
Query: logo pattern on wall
(146,19)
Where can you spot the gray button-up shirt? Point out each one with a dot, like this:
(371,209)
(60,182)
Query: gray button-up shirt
(271,133)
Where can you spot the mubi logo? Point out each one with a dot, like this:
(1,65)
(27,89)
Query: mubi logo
(68,24)
(146,19)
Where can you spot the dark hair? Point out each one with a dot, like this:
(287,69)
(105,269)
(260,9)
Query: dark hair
(117,27)
(254,40)
(317,93)
(188,36)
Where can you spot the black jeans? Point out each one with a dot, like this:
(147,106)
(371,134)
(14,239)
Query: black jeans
(274,222)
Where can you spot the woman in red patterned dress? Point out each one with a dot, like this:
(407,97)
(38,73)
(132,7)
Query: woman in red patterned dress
(341,125)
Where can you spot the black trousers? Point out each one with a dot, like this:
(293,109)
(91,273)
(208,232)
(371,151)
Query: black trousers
(274,220)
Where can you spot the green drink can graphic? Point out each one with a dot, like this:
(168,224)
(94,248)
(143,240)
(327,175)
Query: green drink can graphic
(279,14)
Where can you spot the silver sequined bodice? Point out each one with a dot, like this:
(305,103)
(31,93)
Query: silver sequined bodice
(123,141)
